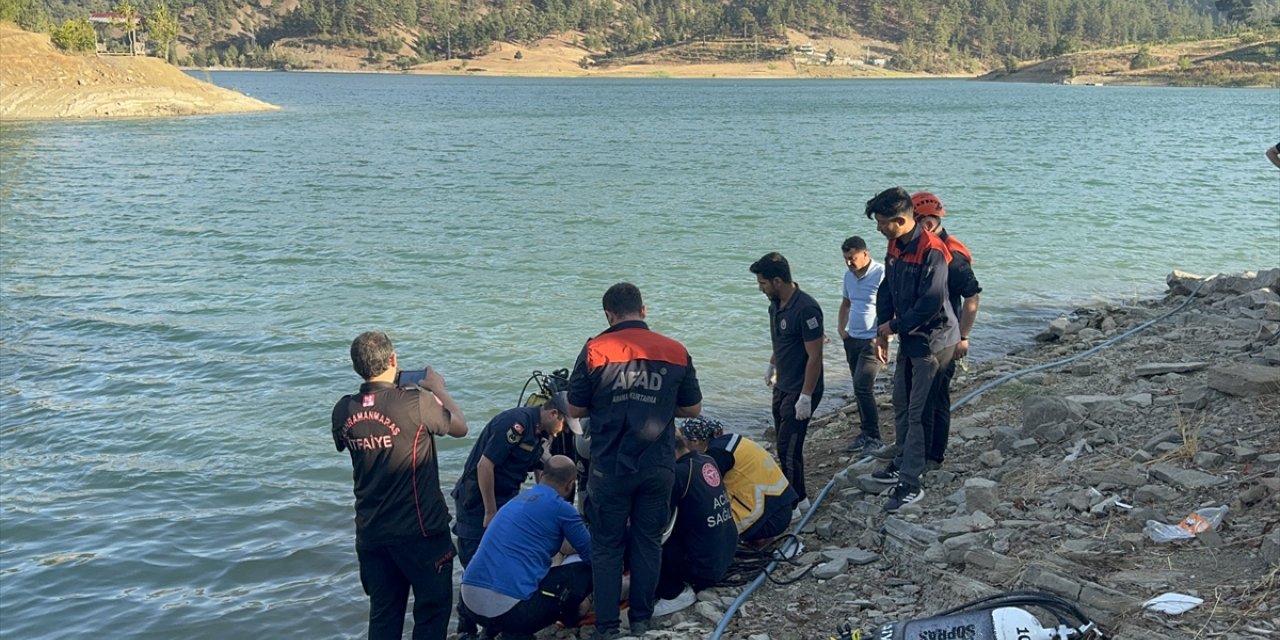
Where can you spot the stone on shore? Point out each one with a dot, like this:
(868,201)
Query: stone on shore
(1245,379)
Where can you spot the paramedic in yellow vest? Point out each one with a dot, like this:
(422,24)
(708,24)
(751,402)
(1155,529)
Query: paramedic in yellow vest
(759,493)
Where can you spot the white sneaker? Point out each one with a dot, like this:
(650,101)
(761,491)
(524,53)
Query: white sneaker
(804,505)
(682,601)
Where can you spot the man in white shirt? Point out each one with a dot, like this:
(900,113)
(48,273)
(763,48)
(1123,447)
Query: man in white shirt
(857,329)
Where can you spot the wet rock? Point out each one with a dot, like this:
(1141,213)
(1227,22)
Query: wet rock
(830,569)
(1042,410)
(1195,397)
(1269,461)
(1242,453)
(1160,368)
(1154,494)
(1208,459)
(1270,548)
(980,495)
(708,612)
(1139,400)
(991,459)
(1185,478)
(1245,379)
(909,534)
(854,557)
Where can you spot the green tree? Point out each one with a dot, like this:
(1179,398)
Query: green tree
(1234,10)
(162,27)
(129,14)
(75,34)
(28,14)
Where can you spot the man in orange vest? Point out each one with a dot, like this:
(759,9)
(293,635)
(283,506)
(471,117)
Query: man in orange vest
(962,295)
(911,303)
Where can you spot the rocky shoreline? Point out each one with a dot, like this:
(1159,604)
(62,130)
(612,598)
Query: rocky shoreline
(1051,479)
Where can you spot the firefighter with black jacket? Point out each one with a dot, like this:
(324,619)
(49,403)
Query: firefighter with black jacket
(912,304)
(402,522)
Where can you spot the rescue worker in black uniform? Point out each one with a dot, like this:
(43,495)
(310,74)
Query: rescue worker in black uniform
(632,382)
(703,536)
(402,522)
(962,294)
(510,446)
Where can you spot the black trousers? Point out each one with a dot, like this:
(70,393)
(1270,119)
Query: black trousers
(937,416)
(791,433)
(557,599)
(387,572)
(642,498)
(677,571)
(466,550)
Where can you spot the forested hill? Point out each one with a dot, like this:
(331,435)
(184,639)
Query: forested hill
(958,33)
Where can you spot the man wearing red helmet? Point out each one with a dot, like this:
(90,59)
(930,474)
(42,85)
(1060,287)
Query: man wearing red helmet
(962,294)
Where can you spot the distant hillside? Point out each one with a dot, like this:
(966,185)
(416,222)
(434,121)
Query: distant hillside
(1227,62)
(919,35)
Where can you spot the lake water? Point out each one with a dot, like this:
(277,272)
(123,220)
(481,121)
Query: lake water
(179,295)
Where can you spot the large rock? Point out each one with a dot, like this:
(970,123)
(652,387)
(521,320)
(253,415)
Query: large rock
(1042,410)
(1245,379)
(1098,406)
(1158,368)
(1185,478)
(980,495)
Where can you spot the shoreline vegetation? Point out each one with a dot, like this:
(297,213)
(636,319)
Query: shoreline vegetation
(40,82)
(1246,61)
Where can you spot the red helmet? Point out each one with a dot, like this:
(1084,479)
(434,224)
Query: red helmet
(927,204)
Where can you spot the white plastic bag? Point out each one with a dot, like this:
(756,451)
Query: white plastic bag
(1202,520)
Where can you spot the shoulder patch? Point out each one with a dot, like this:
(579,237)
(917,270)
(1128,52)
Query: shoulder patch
(515,434)
(812,322)
(711,474)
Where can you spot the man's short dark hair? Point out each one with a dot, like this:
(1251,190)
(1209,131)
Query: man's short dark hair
(853,243)
(559,474)
(371,354)
(891,203)
(623,299)
(772,265)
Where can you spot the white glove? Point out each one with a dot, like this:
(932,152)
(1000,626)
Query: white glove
(770,375)
(804,407)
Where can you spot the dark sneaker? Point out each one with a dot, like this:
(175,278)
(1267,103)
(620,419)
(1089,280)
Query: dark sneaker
(887,452)
(887,475)
(903,495)
(640,627)
(932,465)
(863,444)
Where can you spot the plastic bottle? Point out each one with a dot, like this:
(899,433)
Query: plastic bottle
(1195,523)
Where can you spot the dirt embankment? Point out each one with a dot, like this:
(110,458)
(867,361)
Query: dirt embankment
(1220,63)
(38,82)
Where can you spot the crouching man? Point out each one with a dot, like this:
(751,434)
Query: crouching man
(760,496)
(510,586)
(703,536)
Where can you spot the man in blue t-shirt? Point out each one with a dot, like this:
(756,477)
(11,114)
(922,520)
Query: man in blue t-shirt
(510,586)
(858,332)
(511,445)
(795,369)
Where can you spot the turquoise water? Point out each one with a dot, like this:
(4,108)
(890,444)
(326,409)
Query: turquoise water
(179,295)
